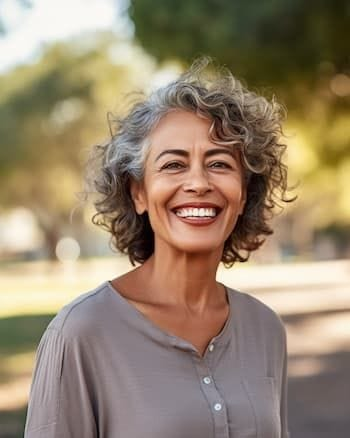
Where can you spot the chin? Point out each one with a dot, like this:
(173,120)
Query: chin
(199,248)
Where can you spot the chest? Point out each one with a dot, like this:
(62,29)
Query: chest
(155,391)
(197,330)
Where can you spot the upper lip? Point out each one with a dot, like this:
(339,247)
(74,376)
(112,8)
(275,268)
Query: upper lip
(197,205)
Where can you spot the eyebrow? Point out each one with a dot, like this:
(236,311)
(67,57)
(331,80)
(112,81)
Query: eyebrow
(207,153)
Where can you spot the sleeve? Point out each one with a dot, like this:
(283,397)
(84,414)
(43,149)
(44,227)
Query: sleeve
(284,391)
(60,403)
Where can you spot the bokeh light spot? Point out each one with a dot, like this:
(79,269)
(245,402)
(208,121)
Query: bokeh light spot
(67,249)
(340,85)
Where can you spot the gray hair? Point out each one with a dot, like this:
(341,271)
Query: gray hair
(240,118)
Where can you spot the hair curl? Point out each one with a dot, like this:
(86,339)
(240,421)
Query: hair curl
(240,117)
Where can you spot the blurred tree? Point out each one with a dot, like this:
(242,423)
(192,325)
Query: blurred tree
(50,113)
(272,43)
(298,49)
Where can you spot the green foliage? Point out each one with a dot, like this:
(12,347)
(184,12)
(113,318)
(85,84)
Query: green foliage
(51,110)
(51,113)
(264,42)
(21,334)
(25,109)
(19,337)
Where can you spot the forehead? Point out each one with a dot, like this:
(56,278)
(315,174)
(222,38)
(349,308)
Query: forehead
(180,125)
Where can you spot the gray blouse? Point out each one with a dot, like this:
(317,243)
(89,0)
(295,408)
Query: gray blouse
(103,369)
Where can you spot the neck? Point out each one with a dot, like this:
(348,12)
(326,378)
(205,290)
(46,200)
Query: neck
(184,280)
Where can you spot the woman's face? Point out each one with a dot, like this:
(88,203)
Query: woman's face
(192,188)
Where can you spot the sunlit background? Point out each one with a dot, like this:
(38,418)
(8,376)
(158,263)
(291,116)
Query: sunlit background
(64,65)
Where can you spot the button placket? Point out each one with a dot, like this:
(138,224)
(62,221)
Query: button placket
(216,403)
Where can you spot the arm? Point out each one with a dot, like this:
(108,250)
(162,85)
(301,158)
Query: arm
(60,402)
(284,391)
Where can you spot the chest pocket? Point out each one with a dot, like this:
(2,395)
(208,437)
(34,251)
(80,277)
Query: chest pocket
(263,397)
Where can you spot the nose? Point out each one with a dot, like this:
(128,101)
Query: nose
(197,181)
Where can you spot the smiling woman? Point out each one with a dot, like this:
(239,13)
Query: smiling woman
(239,120)
(189,179)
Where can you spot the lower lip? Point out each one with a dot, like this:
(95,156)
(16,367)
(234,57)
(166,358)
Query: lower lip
(197,221)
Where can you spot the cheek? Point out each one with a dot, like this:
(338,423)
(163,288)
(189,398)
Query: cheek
(158,196)
(234,193)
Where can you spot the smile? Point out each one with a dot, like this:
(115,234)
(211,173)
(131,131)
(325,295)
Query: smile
(196,212)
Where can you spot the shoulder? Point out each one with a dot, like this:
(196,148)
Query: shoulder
(83,315)
(256,313)
(260,333)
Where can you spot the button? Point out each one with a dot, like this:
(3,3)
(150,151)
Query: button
(211,347)
(218,406)
(207,380)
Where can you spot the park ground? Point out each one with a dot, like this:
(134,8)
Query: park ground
(313,300)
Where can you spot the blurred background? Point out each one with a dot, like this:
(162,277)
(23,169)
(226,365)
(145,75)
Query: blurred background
(65,65)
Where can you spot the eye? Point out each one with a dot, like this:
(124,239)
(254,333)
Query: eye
(173,165)
(220,165)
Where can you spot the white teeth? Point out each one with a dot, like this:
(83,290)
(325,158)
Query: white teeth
(196,212)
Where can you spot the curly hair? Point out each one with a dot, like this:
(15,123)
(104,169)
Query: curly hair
(240,118)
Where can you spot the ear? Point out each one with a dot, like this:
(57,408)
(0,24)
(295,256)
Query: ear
(138,196)
(243,200)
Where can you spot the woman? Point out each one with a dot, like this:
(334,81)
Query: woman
(190,179)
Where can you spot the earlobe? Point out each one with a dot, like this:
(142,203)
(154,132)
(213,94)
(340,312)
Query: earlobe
(138,197)
(240,213)
(243,202)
